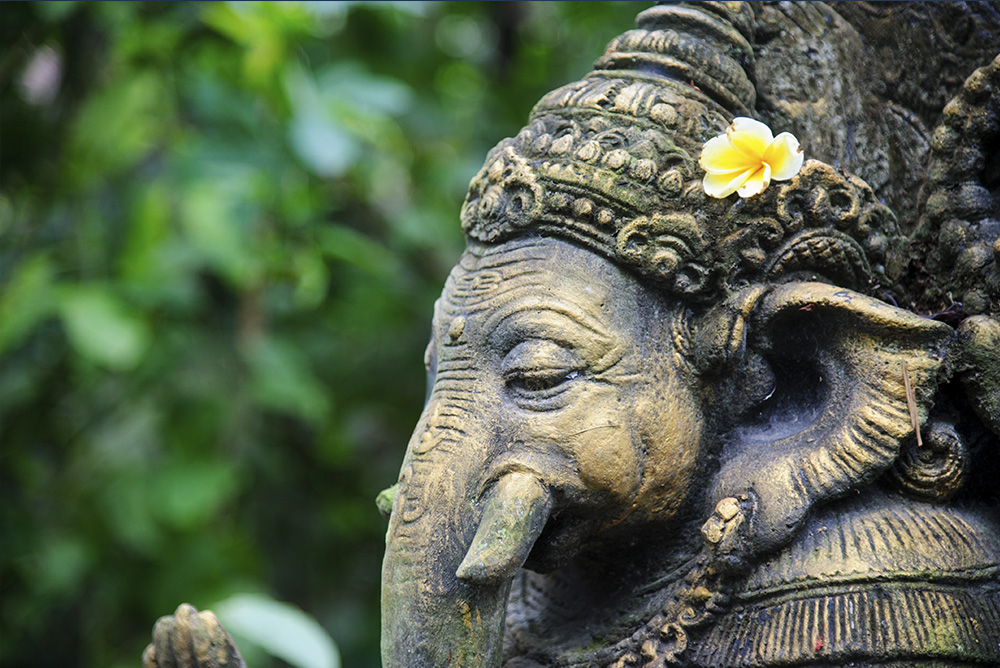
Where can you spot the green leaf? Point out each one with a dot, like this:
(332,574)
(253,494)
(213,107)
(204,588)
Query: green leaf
(281,629)
(26,300)
(263,29)
(189,493)
(349,83)
(312,277)
(101,328)
(116,127)
(63,562)
(149,229)
(224,17)
(317,137)
(211,223)
(322,145)
(347,245)
(282,380)
(127,507)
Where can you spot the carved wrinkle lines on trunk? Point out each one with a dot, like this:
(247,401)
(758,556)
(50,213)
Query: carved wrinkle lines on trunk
(431,530)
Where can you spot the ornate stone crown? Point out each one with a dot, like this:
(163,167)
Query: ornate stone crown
(611,163)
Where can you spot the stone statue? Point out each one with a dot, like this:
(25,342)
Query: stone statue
(685,416)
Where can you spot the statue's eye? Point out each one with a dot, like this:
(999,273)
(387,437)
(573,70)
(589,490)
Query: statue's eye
(535,381)
(538,369)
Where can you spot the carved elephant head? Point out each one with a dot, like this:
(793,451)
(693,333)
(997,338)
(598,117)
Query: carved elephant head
(636,388)
(567,404)
(559,406)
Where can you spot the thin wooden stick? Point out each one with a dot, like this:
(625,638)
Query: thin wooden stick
(911,404)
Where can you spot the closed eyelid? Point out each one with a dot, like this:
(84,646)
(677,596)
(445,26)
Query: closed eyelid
(536,355)
(564,326)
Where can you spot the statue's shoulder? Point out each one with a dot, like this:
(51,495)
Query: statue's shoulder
(876,578)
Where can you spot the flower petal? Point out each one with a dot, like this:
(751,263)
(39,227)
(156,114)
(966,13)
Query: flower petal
(785,157)
(750,137)
(724,185)
(719,156)
(756,182)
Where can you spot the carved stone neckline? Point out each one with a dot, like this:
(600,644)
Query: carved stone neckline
(897,579)
(861,578)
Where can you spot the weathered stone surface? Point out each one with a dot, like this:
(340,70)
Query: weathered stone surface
(737,449)
(189,639)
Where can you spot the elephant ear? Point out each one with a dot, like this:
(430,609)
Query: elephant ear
(853,377)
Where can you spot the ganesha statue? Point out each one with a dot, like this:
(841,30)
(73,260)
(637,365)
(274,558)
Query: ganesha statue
(701,395)
(679,414)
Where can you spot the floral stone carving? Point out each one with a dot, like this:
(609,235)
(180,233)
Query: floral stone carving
(673,428)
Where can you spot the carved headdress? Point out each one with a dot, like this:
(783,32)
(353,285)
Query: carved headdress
(611,162)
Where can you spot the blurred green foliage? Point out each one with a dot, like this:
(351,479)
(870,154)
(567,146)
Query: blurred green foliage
(222,230)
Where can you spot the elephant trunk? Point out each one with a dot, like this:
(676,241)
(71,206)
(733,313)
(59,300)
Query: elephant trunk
(451,555)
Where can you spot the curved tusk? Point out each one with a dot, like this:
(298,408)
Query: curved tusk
(514,516)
